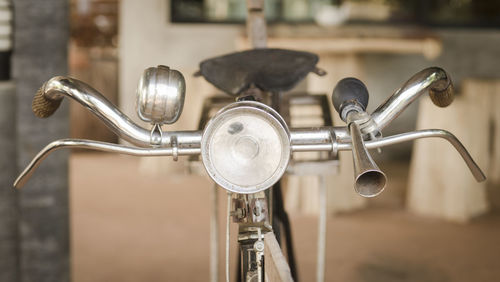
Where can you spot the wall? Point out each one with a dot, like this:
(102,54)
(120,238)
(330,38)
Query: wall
(466,53)
(41,32)
(147,39)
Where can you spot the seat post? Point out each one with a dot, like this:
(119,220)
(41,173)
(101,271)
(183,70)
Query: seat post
(256,24)
(276,100)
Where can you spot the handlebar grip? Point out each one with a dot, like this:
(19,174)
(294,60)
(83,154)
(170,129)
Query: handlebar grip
(349,89)
(42,106)
(442,97)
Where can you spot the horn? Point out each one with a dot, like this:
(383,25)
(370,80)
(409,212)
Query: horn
(369,179)
(350,98)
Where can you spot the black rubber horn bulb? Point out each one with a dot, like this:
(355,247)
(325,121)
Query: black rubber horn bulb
(349,89)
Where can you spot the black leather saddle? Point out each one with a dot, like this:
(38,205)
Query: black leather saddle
(273,70)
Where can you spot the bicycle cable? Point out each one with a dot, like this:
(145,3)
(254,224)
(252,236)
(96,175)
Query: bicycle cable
(228,219)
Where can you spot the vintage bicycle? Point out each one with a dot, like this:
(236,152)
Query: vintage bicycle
(247,146)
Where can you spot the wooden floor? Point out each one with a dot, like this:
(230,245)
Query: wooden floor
(131,226)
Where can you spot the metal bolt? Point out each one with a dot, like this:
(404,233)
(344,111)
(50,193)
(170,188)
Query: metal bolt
(256,211)
(259,246)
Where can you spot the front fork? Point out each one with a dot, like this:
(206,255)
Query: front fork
(252,259)
(252,213)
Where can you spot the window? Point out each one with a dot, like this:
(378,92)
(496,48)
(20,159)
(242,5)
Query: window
(440,13)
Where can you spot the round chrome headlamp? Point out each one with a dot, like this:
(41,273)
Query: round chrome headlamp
(160,95)
(246,147)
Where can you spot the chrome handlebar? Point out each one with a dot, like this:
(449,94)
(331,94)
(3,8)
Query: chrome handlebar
(179,143)
(61,86)
(300,139)
(434,79)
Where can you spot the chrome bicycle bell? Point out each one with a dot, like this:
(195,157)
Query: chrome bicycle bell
(160,95)
(246,147)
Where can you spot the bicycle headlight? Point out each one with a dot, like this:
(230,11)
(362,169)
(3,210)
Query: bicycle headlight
(246,147)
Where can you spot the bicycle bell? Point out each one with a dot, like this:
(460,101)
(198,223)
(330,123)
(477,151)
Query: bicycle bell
(246,147)
(160,95)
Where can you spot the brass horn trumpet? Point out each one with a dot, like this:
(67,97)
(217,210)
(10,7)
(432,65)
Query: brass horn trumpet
(350,98)
(369,179)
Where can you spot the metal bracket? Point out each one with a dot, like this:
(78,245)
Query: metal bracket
(156,135)
(175,148)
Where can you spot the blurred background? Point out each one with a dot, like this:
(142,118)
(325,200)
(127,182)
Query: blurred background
(87,216)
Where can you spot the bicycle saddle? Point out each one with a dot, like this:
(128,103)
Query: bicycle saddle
(272,70)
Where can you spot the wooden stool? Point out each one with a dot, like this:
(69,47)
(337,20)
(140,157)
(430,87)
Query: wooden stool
(440,184)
